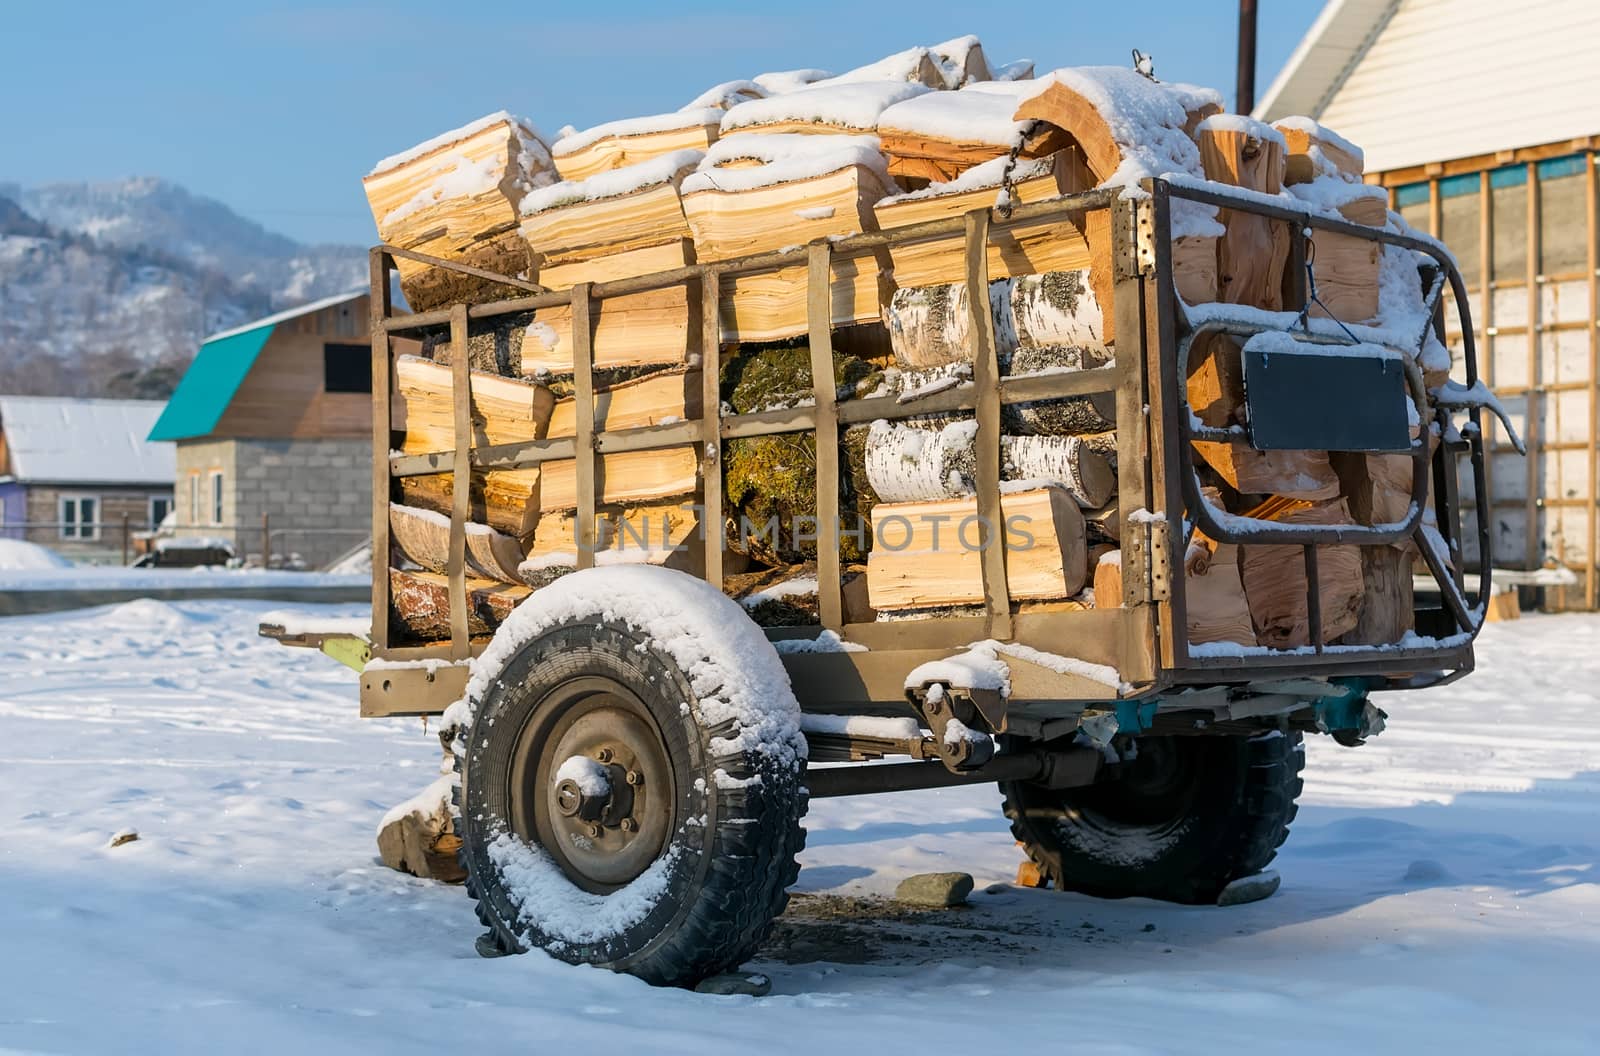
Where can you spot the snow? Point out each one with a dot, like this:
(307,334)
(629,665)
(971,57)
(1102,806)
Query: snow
(980,177)
(1278,342)
(689,117)
(884,727)
(1104,674)
(1322,132)
(433,799)
(1241,124)
(300,622)
(980,667)
(826,642)
(591,776)
(852,105)
(798,587)
(1146,121)
(726,658)
(1440,891)
(19,556)
(784,81)
(614,183)
(456,135)
(66,440)
(550,902)
(118,578)
(978,113)
(784,157)
(724,95)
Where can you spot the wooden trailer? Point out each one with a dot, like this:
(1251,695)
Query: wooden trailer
(1081,686)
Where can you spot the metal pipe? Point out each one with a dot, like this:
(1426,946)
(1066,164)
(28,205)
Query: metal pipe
(862,780)
(1245,100)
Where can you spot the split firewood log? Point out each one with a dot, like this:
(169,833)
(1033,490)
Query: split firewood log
(424,537)
(458,197)
(420,603)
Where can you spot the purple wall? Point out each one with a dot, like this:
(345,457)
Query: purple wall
(13,509)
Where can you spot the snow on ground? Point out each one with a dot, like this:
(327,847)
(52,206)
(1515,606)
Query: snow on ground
(1439,893)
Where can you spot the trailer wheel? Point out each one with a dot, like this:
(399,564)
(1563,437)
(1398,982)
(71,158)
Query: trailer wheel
(1179,823)
(631,778)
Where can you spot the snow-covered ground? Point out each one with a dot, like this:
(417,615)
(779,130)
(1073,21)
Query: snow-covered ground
(1440,889)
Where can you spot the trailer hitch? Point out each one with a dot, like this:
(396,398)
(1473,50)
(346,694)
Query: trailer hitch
(1348,716)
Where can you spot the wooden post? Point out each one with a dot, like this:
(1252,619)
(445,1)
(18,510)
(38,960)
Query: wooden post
(819,322)
(266,541)
(1485,351)
(127,540)
(713,538)
(1592,211)
(1435,209)
(584,453)
(986,377)
(461,484)
(377,319)
(1533,404)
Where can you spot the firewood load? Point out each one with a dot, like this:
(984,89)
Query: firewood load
(786,159)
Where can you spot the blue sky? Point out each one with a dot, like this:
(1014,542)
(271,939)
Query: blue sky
(278,109)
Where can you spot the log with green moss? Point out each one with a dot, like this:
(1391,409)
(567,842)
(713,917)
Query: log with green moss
(771,481)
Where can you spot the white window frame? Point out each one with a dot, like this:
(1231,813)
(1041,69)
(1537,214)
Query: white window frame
(75,531)
(214,492)
(150,508)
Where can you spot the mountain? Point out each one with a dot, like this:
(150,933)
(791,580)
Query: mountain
(108,288)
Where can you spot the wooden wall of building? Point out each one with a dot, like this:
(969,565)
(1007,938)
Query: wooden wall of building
(284,397)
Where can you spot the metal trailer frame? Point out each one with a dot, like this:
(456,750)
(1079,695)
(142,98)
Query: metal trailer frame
(1158,487)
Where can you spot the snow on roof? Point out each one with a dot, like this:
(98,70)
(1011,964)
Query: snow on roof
(456,135)
(289,313)
(848,104)
(638,126)
(978,113)
(783,157)
(614,183)
(63,440)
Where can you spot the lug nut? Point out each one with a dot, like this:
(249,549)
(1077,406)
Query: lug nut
(594,831)
(635,777)
(629,825)
(604,755)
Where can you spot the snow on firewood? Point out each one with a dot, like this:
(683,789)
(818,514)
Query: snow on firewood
(573,142)
(725,96)
(533,141)
(783,157)
(978,113)
(845,104)
(668,168)
(781,82)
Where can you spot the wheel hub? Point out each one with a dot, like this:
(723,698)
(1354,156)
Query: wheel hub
(597,791)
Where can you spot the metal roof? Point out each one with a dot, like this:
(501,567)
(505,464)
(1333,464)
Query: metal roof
(59,440)
(219,368)
(1324,57)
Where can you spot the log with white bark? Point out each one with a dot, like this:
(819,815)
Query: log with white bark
(905,463)
(932,325)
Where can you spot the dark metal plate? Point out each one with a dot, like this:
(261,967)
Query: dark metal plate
(1305,397)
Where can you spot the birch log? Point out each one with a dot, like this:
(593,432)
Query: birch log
(905,463)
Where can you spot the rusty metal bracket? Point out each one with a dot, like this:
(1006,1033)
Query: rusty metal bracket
(1140,259)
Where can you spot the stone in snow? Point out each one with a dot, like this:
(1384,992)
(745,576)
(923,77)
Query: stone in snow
(934,889)
(1252,888)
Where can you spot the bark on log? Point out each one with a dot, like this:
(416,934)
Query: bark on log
(424,537)
(420,603)
(905,463)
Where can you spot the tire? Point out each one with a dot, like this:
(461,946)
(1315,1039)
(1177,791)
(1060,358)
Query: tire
(1187,817)
(694,887)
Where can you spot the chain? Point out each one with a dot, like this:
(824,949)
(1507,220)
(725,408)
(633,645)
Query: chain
(1304,320)
(1005,201)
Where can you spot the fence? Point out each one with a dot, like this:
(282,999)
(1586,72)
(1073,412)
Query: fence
(263,545)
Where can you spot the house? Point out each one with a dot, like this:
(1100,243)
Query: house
(273,427)
(1482,119)
(79,476)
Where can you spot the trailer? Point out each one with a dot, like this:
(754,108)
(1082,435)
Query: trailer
(635,755)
